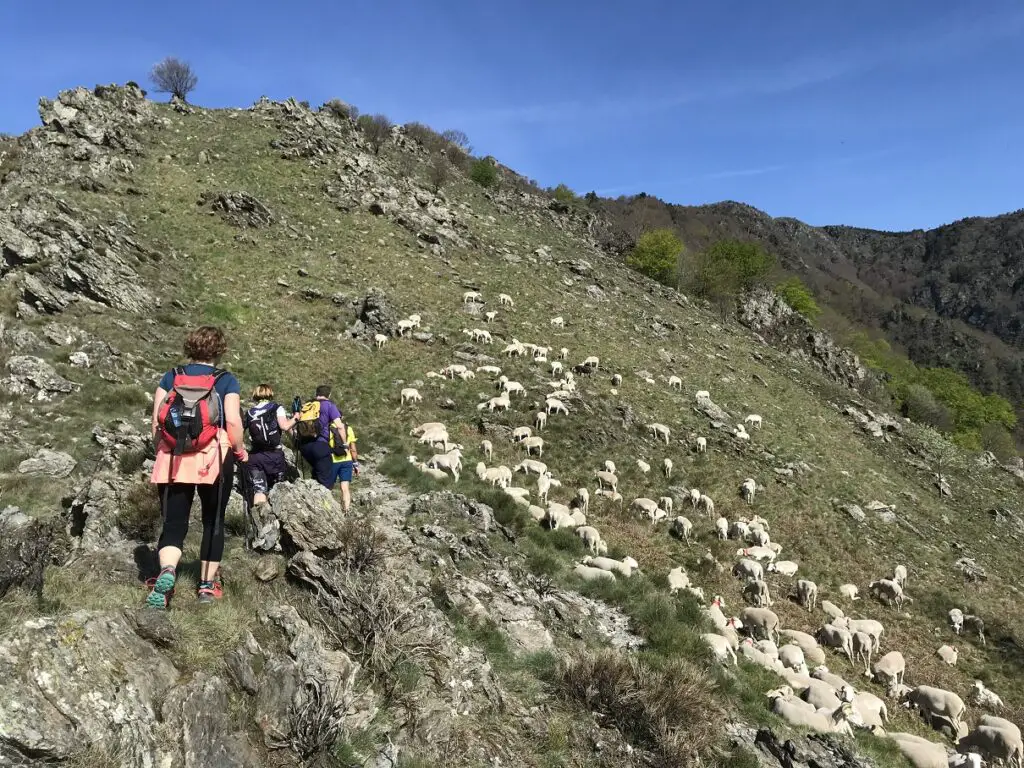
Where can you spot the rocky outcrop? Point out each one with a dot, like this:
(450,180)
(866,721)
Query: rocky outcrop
(376,315)
(238,208)
(198,713)
(813,751)
(308,516)
(27,547)
(55,464)
(92,516)
(764,312)
(33,377)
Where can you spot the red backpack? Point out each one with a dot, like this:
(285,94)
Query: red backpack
(191,414)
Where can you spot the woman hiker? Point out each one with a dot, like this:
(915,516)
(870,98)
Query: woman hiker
(197,429)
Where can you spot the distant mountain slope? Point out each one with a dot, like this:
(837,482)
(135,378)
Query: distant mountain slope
(950,296)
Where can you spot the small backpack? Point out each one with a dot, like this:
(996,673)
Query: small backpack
(261,423)
(191,414)
(307,424)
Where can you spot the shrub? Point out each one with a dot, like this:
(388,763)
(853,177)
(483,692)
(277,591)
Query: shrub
(457,139)
(425,136)
(439,172)
(996,438)
(139,517)
(920,405)
(731,266)
(377,129)
(175,77)
(656,254)
(799,297)
(363,547)
(338,108)
(484,172)
(564,194)
(458,157)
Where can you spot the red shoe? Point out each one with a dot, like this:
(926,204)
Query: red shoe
(210,591)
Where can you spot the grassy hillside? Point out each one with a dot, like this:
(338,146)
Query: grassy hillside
(287,292)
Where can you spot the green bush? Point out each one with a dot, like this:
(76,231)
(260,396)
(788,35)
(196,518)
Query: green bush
(339,109)
(730,267)
(377,129)
(799,297)
(425,136)
(564,194)
(656,254)
(484,172)
(996,438)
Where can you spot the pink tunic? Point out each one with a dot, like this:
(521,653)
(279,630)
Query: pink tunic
(200,468)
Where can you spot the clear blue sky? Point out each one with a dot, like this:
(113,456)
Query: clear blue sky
(892,114)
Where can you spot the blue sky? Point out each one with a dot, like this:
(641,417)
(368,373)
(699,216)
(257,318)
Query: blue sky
(875,113)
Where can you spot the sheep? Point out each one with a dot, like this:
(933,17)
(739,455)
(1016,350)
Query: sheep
(514,349)
(937,702)
(437,474)
(994,743)
(757,553)
(411,395)
(563,353)
(753,420)
(644,505)
(666,468)
(889,669)
(948,654)
(505,300)
(659,431)
(516,492)
(812,651)
(434,436)
(617,380)
(748,569)
(695,592)
(677,580)
(722,528)
(379,340)
(841,639)
(899,575)
(592,539)
(666,503)
(624,567)
(526,466)
(714,611)
(611,495)
(492,370)
(543,486)
(592,362)
(832,610)
(702,395)
(682,528)
(472,296)
(557,322)
(427,426)
(758,537)
(740,433)
(762,619)
(447,460)
(532,444)
(709,505)
(956,619)
(521,433)
(793,658)
(862,648)
(494,475)
(783,567)
(757,594)
(821,673)
(920,752)
(500,403)
(739,530)
(466,375)
(415,320)
(480,335)
(868,626)
(695,497)
(702,445)
(720,647)
(983,697)
(453,370)
(554,405)
(849,591)
(887,591)
(490,316)
(747,490)
(806,592)
(513,388)
(975,623)
(404,326)
(800,714)
(487,449)
(587,573)
(873,711)
(557,516)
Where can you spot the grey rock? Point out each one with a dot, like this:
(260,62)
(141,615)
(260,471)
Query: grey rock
(596,293)
(714,412)
(198,712)
(34,377)
(92,516)
(377,314)
(309,515)
(91,679)
(55,464)
(154,626)
(855,512)
(238,208)
(27,546)
(246,664)
(80,360)
(268,568)
(813,751)
(263,529)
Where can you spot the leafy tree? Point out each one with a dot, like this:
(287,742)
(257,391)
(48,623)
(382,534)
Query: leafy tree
(439,172)
(798,296)
(484,172)
(920,405)
(377,129)
(656,254)
(425,135)
(996,438)
(175,77)
(564,194)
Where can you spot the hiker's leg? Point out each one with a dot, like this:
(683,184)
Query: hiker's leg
(258,483)
(176,499)
(344,476)
(322,461)
(346,496)
(214,500)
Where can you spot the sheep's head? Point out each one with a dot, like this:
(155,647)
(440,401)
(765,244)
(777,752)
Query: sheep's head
(631,562)
(586,560)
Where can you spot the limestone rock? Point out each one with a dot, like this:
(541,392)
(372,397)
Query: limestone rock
(92,516)
(55,464)
(198,711)
(377,314)
(238,208)
(34,377)
(309,515)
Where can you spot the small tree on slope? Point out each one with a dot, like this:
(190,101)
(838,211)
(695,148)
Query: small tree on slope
(656,254)
(175,77)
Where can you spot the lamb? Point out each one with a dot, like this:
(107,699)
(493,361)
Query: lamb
(983,697)
(702,445)
(411,395)
(975,623)
(720,647)
(753,420)
(624,567)
(702,395)
(487,449)
(490,316)
(849,591)
(948,654)
(659,431)
(810,647)
(554,405)
(956,619)
(472,296)
(748,569)
(505,300)
(532,444)
(379,340)
(757,594)
(862,648)
(404,326)
(832,610)
(587,573)
(609,466)
(832,636)
(868,626)
(674,382)
(937,702)
(806,592)
(757,553)
(888,591)
(677,580)
(994,743)
(526,466)
(761,619)
(889,669)
(592,539)
(500,403)
(557,322)
(643,466)
(682,528)
(666,467)
(747,490)
(708,504)
(899,575)
(694,497)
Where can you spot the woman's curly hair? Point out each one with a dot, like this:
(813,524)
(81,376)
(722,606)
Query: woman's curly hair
(205,344)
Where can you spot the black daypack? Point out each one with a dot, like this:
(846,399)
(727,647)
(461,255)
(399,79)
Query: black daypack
(261,423)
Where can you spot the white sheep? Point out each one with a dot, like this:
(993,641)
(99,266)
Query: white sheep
(617,380)
(888,591)
(868,626)
(624,567)
(527,466)
(761,619)
(937,702)
(806,592)
(592,539)
(666,467)
(493,370)
(490,316)
(404,326)
(674,382)
(587,573)
(863,646)
(694,497)
(889,669)
(643,466)
(812,651)
(849,591)
(956,620)
(948,654)
(533,444)
(609,466)
(411,395)
(521,433)
(505,300)
(543,486)
(493,475)
(644,506)
(379,340)
(757,553)
(540,420)
(659,431)
(709,505)
(466,375)
(554,405)
(486,449)
(556,367)
(605,478)
(832,610)
(593,362)
(983,697)
(682,528)
(757,594)
(899,575)
(415,320)
(783,568)
(748,569)
(613,496)
(499,403)
(722,528)
(447,461)
(748,488)
(582,499)
(427,426)
(999,745)
(470,297)
(520,496)
(557,322)
(702,395)
(753,420)
(702,445)
(513,387)
(720,647)
(839,638)
(436,474)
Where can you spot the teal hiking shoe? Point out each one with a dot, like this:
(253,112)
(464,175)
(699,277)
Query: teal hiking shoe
(162,588)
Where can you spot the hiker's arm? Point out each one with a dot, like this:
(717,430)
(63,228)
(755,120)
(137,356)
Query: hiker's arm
(286,423)
(233,422)
(158,399)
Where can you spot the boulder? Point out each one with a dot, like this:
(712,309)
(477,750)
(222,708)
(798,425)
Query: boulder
(92,516)
(198,712)
(377,314)
(91,679)
(54,464)
(27,547)
(238,208)
(309,516)
(33,377)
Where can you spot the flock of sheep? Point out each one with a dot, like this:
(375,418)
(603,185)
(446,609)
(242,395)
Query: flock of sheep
(810,695)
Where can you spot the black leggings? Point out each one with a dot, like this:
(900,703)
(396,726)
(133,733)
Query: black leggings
(176,499)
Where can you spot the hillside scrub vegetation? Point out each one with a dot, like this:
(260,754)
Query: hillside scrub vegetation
(484,172)
(799,297)
(174,76)
(656,255)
